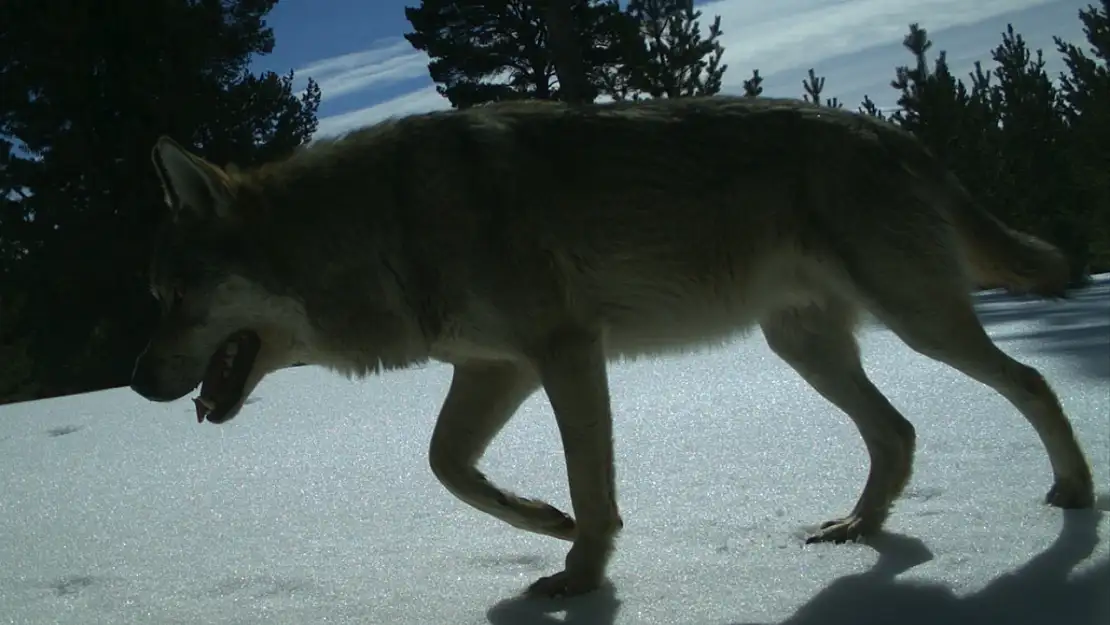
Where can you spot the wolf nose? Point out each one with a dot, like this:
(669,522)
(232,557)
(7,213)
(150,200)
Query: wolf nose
(144,381)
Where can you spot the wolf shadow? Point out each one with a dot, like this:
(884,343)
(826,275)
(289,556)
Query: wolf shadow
(1041,592)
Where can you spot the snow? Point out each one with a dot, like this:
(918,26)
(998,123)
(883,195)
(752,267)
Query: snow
(316,504)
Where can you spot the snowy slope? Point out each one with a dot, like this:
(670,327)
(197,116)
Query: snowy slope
(316,504)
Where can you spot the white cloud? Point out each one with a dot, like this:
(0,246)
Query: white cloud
(389,61)
(856,44)
(419,101)
(792,33)
(775,37)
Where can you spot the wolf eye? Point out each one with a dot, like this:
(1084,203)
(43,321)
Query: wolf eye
(170,297)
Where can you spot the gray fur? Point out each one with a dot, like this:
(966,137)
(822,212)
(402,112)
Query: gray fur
(528,244)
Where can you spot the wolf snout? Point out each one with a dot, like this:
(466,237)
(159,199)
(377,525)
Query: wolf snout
(147,382)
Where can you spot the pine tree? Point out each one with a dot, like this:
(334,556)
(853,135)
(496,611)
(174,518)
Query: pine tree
(1005,137)
(753,87)
(1086,85)
(813,86)
(869,107)
(958,125)
(486,51)
(1085,91)
(87,88)
(1033,149)
(931,101)
(574,83)
(678,61)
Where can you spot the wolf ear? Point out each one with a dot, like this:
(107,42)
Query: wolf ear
(190,182)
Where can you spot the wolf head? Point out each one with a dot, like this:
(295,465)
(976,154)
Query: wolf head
(219,327)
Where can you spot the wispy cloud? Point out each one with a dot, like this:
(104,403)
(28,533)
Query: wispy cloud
(419,101)
(856,44)
(779,38)
(388,61)
(794,33)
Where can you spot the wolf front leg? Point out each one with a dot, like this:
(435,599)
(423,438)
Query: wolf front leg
(573,373)
(482,398)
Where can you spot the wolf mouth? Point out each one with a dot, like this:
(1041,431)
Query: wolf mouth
(221,391)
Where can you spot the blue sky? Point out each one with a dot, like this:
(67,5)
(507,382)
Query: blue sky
(367,71)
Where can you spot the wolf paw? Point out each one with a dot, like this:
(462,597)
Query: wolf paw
(563,584)
(1071,495)
(849,529)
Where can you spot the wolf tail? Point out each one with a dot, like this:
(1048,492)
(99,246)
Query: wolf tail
(1003,257)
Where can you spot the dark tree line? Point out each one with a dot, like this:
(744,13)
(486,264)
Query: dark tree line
(491,50)
(1034,148)
(84,92)
(85,89)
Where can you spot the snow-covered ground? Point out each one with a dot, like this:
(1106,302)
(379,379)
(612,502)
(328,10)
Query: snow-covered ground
(316,504)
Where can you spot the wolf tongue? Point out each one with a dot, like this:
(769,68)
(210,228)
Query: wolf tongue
(212,386)
(224,376)
(202,407)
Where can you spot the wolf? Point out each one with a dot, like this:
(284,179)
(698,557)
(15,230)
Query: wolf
(530,244)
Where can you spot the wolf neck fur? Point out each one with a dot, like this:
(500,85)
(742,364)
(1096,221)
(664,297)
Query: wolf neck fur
(295,201)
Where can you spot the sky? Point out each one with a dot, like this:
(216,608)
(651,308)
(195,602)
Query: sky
(316,503)
(367,71)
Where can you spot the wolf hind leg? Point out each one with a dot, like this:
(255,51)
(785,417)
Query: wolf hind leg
(936,319)
(480,401)
(818,342)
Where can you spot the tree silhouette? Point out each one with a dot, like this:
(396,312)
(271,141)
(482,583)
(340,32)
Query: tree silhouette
(483,51)
(753,86)
(679,61)
(813,86)
(86,91)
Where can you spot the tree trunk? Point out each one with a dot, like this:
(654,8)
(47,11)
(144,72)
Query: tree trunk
(566,53)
